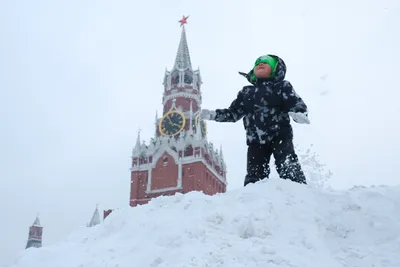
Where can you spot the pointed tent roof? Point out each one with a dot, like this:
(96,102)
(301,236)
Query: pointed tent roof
(182,60)
(37,221)
(95,218)
(137,145)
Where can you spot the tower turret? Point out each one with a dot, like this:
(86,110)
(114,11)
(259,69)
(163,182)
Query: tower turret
(95,218)
(35,234)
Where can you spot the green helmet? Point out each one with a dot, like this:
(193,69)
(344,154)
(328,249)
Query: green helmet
(267,59)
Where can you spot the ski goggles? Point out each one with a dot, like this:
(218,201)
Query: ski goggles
(271,61)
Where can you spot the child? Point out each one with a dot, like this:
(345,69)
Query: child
(265,107)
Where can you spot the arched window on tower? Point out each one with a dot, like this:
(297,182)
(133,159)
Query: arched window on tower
(188,79)
(188,151)
(175,78)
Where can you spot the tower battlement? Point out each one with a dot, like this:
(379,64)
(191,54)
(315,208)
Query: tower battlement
(188,148)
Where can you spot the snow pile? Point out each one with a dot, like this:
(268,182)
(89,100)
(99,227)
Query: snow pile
(272,223)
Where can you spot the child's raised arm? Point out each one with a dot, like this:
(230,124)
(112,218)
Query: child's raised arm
(231,114)
(235,111)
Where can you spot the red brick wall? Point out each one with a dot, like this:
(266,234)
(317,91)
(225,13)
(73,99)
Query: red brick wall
(190,174)
(106,213)
(138,184)
(181,101)
(197,177)
(212,184)
(136,202)
(169,193)
(35,232)
(165,174)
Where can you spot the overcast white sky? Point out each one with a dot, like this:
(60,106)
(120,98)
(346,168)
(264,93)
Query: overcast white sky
(79,78)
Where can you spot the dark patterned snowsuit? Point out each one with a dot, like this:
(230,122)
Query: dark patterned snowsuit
(264,107)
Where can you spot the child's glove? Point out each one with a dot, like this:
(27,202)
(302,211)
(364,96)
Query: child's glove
(300,117)
(206,114)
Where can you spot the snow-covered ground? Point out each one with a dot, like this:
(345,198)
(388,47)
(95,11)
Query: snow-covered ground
(272,223)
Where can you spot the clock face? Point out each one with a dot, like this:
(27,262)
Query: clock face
(172,123)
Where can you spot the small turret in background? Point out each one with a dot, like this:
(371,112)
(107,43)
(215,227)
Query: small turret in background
(35,234)
(95,218)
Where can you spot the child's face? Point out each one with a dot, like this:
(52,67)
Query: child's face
(262,70)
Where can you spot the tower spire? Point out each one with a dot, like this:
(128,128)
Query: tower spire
(37,221)
(95,218)
(182,60)
(137,145)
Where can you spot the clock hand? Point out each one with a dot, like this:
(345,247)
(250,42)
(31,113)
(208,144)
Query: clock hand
(169,119)
(176,124)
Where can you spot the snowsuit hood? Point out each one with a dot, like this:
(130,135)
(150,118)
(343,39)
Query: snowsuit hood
(279,75)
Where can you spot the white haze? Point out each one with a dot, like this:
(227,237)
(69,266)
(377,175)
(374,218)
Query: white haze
(79,78)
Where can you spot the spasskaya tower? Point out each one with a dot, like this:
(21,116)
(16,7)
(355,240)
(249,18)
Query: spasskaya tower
(179,158)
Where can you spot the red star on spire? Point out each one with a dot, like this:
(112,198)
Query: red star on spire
(183,20)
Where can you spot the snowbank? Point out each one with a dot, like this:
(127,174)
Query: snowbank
(272,223)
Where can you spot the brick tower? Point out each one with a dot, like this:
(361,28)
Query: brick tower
(179,158)
(35,234)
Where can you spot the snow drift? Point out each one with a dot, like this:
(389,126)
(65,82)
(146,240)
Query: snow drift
(272,223)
